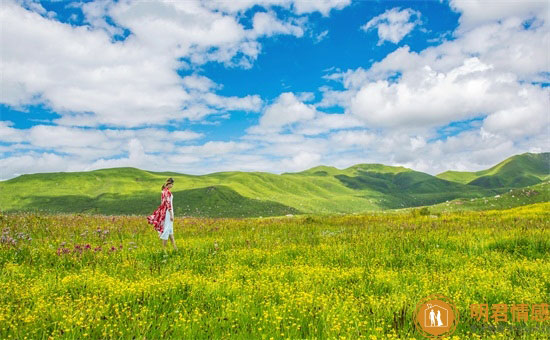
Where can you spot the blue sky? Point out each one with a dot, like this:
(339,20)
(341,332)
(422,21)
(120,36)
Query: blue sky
(278,85)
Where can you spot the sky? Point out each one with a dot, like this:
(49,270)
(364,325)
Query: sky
(198,87)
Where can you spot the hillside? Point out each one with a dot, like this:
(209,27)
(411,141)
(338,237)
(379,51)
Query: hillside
(534,194)
(515,172)
(323,189)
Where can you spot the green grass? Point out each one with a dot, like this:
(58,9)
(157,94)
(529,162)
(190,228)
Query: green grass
(305,277)
(512,198)
(320,190)
(515,172)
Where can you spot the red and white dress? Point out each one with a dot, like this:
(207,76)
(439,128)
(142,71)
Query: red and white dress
(160,219)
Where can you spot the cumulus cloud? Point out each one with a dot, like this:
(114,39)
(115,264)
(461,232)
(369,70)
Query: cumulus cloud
(267,24)
(286,110)
(445,83)
(394,24)
(322,6)
(91,143)
(132,82)
(425,97)
(475,13)
(301,161)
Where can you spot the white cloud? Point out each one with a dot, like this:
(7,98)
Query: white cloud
(267,24)
(95,13)
(200,83)
(301,161)
(394,24)
(248,103)
(323,122)
(286,110)
(32,162)
(10,134)
(321,36)
(475,13)
(297,6)
(425,97)
(134,82)
(322,6)
(91,144)
(530,119)
(350,138)
(445,83)
(214,148)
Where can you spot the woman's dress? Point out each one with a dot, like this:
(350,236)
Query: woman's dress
(168,224)
(158,217)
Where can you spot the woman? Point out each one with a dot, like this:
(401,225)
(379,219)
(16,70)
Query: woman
(162,218)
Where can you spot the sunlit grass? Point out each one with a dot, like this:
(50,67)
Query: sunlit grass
(72,276)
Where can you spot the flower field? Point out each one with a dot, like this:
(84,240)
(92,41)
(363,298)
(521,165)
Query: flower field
(312,277)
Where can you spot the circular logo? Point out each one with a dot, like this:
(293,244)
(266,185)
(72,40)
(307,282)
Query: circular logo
(436,316)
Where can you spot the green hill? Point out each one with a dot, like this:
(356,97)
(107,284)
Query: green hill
(323,189)
(538,193)
(515,172)
(209,201)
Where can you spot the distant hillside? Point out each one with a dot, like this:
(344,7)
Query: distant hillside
(515,172)
(538,193)
(323,189)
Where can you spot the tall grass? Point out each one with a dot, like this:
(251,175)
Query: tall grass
(74,277)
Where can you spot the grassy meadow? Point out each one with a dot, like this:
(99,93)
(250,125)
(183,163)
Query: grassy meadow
(79,276)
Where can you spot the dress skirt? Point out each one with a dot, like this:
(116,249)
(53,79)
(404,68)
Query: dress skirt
(168,228)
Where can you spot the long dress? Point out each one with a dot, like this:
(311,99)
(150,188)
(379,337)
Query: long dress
(168,224)
(159,215)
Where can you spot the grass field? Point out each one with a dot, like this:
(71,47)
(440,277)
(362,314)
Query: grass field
(343,277)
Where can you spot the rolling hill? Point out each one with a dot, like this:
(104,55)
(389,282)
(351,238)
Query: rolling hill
(515,172)
(323,189)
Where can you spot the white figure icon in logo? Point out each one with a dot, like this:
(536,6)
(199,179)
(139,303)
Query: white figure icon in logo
(435,316)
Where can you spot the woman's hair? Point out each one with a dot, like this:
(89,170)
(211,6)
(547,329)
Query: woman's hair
(168,181)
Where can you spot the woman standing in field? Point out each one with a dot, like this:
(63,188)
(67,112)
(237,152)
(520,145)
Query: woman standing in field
(162,218)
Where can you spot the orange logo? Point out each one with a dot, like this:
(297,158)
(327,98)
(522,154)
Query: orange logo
(436,316)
